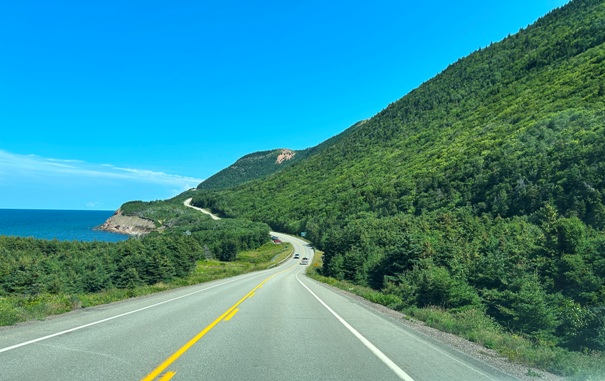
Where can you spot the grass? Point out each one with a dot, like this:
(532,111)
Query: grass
(266,253)
(15,308)
(316,264)
(475,326)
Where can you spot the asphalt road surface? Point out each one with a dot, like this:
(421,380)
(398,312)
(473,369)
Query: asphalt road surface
(270,325)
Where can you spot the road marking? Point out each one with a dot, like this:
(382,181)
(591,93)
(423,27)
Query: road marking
(163,366)
(377,352)
(231,314)
(167,376)
(39,339)
(112,317)
(437,349)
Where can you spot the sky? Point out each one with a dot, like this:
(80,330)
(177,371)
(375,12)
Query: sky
(104,102)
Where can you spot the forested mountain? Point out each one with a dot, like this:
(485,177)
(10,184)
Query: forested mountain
(259,165)
(256,165)
(481,189)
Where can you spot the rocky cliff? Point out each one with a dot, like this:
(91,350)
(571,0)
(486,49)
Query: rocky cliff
(132,225)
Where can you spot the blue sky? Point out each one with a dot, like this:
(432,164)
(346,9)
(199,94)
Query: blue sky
(102,102)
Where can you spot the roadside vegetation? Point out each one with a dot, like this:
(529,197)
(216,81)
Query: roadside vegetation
(41,277)
(475,326)
(34,301)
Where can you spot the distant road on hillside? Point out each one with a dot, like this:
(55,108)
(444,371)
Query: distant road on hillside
(188,203)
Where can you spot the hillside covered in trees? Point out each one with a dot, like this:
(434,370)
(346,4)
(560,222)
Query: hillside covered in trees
(253,166)
(482,189)
(260,165)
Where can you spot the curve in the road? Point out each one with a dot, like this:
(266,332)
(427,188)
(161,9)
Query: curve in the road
(187,203)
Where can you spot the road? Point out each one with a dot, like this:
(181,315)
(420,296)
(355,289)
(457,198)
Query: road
(187,203)
(270,325)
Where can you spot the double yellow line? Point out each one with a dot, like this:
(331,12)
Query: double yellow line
(227,315)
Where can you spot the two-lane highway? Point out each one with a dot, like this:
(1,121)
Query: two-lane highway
(270,325)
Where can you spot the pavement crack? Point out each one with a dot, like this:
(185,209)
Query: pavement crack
(93,353)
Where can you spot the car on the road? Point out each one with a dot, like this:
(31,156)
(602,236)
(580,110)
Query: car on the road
(304,261)
(296,256)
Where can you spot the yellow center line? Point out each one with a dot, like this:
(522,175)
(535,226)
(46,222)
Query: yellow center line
(229,313)
(167,376)
(228,317)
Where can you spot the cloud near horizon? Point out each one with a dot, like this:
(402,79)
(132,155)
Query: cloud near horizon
(14,164)
(103,184)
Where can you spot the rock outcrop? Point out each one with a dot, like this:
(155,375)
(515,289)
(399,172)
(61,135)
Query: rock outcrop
(286,154)
(132,225)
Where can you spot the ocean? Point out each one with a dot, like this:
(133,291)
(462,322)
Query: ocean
(64,225)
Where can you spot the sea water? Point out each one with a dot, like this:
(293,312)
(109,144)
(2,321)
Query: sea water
(64,225)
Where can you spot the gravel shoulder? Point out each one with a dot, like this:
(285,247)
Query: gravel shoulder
(457,343)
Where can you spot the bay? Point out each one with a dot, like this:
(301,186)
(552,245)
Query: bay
(64,225)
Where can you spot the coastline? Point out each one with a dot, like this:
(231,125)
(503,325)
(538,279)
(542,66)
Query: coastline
(130,225)
(57,224)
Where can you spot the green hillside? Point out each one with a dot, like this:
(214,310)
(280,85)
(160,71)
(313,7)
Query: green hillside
(482,189)
(253,166)
(259,165)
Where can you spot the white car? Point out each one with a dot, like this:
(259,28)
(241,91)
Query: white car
(304,261)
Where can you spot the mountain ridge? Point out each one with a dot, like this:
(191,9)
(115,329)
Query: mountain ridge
(261,164)
(389,122)
(252,166)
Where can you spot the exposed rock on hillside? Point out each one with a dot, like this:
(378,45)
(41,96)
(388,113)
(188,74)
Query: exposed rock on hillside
(262,164)
(285,155)
(132,225)
(253,166)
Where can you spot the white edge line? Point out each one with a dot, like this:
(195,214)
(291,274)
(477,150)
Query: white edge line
(377,352)
(415,337)
(109,318)
(420,339)
(403,331)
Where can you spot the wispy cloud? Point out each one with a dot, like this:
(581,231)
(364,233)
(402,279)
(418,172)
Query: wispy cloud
(37,167)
